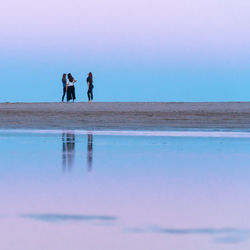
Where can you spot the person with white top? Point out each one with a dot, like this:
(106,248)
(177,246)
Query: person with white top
(71,88)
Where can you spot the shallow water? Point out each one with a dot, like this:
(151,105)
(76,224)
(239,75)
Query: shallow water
(72,190)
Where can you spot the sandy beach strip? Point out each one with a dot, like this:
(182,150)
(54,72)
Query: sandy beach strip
(126,116)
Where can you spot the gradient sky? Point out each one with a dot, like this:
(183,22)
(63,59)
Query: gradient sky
(161,50)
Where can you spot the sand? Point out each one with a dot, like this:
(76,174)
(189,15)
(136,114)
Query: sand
(126,116)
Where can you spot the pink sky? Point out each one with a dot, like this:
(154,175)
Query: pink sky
(160,25)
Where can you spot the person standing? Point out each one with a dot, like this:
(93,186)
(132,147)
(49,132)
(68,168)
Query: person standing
(71,88)
(90,87)
(64,82)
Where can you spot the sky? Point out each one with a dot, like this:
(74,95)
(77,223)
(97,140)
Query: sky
(161,50)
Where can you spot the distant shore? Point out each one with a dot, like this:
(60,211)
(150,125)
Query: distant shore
(126,116)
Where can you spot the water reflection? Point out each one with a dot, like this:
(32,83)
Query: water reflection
(90,152)
(69,217)
(222,235)
(68,150)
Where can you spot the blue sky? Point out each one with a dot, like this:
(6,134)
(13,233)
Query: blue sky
(138,51)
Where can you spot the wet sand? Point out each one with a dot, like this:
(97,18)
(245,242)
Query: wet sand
(126,116)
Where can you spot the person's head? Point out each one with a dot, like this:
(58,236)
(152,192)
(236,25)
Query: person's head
(64,76)
(70,77)
(90,75)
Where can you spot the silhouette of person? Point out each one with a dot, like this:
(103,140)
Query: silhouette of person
(90,152)
(70,88)
(64,83)
(68,150)
(90,87)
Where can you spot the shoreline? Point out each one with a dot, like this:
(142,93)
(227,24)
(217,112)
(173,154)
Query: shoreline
(157,116)
(183,133)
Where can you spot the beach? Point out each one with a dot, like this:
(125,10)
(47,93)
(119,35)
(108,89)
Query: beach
(126,116)
(112,175)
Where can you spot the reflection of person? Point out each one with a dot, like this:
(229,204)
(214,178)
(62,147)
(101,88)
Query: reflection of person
(90,87)
(68,147)
(71,88)
(64,82)
(90,152)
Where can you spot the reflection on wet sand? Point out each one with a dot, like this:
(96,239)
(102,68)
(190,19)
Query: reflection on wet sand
(68,150)
(90,152)
(69,217)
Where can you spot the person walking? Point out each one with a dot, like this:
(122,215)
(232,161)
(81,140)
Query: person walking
(90,87)
(71,88)
(64,82)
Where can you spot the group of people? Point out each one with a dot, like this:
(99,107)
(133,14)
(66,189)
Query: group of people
(68,82)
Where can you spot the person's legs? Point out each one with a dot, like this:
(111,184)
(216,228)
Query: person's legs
(88,93)
(68,94)
(91,95)
(73,93)
(64,92)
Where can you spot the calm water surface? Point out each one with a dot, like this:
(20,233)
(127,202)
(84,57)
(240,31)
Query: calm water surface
(86,191)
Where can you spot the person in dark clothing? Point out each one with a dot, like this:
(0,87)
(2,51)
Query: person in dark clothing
(64,82)
(90,87)
(71,88)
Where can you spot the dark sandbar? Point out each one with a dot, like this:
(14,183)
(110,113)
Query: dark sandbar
(126,116)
